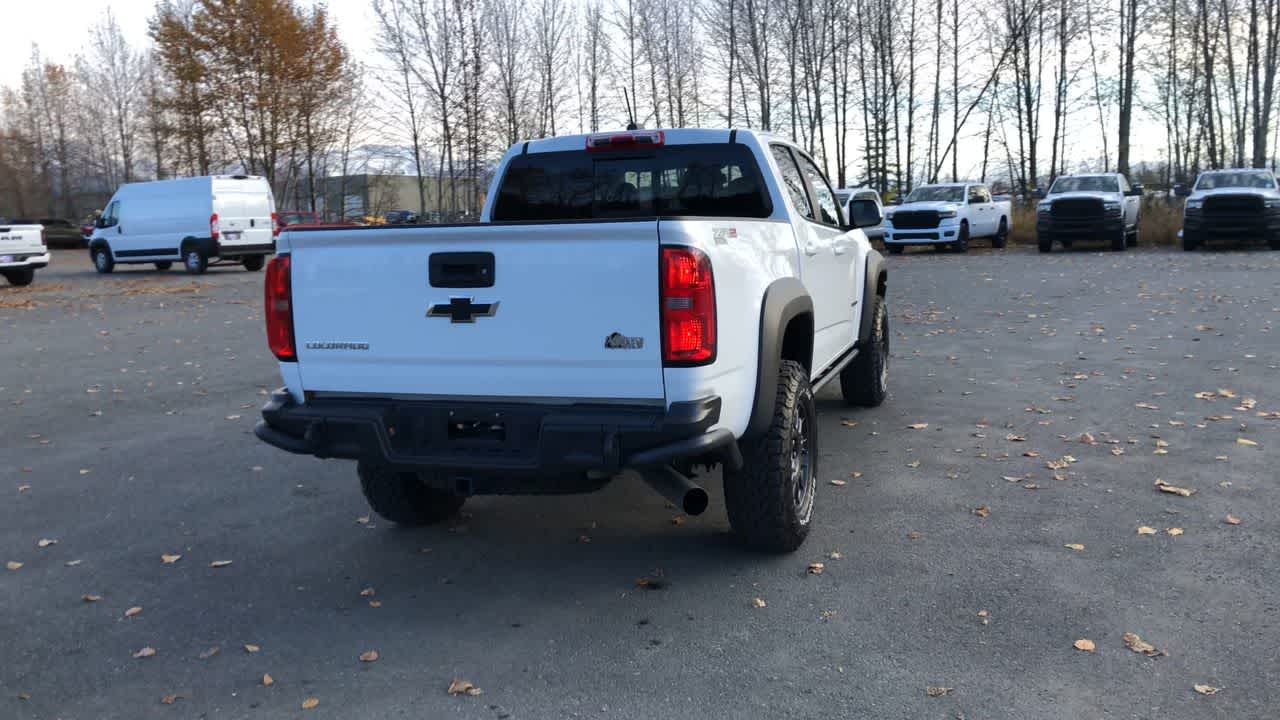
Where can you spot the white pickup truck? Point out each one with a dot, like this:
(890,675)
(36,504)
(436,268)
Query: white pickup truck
(947,215)
(648,301)
(1235,204)
(22,252)
(1090,207)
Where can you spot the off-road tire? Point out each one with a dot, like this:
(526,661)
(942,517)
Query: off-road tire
(403,498)
(164,264)
(1273,242)
(1045,244)
(1133,236)
(20,277)
(194,260)
(102,260)
(1120,242)
(961,244)
(769,503)
(1001,237)
(865,381)
(1189,242)
(253,263)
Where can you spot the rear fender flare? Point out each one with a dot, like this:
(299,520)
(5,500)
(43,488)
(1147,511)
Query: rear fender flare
(784,300)
(876,283)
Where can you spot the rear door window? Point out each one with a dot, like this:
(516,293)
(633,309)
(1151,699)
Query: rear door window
(792,180)
(711,180)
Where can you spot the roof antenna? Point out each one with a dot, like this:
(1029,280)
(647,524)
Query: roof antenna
(631,118)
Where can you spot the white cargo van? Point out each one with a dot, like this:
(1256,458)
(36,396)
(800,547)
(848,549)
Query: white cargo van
(200,220)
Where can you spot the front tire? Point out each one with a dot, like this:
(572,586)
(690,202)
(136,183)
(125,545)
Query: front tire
(865,381)
(1045,243)
(163,265)
(194,261)
(1189,241)
(770,500)
(20,277)
(102,260)
(1121,241)
(403,498)
(961,245)
(1002,235)
(253,263)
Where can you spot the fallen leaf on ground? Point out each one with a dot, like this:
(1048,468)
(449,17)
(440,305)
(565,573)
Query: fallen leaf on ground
(375,604)
(145,652)
(759,602)
(267,680)
(219,563)
(981,511)
(205,655)
(1163,486)
(91,598)
(251,648)
(816,568)
(72,563)
(918,426)
(1146,530)
(1206,689)
(135,610)
(1231,520)
(1138,645)
(914,536)
(310,703)
(849,423)
(933,691)
(1245,441)
(838,482)
(463,687)
(1074,546)
(1087,439)
(46,542)
(913,464)
(650,582)
(13,565)
(1147,406)
(678,520)
(170,699)
(1175,531)
(369,656)
(1014,437)
(170,559)
(1084,644)
(855,474)
(368,592)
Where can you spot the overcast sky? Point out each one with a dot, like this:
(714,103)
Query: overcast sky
(59,26)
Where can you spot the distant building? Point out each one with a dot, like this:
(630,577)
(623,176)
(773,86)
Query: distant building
(357,196)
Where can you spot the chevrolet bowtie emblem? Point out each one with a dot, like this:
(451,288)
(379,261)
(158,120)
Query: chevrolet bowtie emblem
(462,310)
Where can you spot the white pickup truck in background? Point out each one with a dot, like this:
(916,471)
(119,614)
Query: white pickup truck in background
(1233,204)
(647,301)
(1089,207)
(22,252)
(947,215)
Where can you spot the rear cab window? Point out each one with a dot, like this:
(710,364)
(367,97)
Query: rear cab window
(695,180)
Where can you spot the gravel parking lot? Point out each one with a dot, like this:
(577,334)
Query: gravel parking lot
(971,531)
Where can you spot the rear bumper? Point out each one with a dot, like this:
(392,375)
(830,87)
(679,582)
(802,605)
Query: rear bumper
(23,260)
(238,251)
(498,447)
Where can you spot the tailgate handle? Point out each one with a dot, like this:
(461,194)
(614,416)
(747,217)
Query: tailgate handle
(461,269)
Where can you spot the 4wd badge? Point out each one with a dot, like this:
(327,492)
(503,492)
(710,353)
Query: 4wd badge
(618,341)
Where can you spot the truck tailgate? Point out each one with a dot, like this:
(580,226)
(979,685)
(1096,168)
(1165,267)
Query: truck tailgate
(368,320)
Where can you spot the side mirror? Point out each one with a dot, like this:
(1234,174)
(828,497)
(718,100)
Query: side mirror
(101,222)
(863,214)
(1136,189)
(1181,190)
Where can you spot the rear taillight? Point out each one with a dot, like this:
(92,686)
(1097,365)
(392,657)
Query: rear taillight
(275,225)
(688,297)
(214,230)
(43,241)
(279,309)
